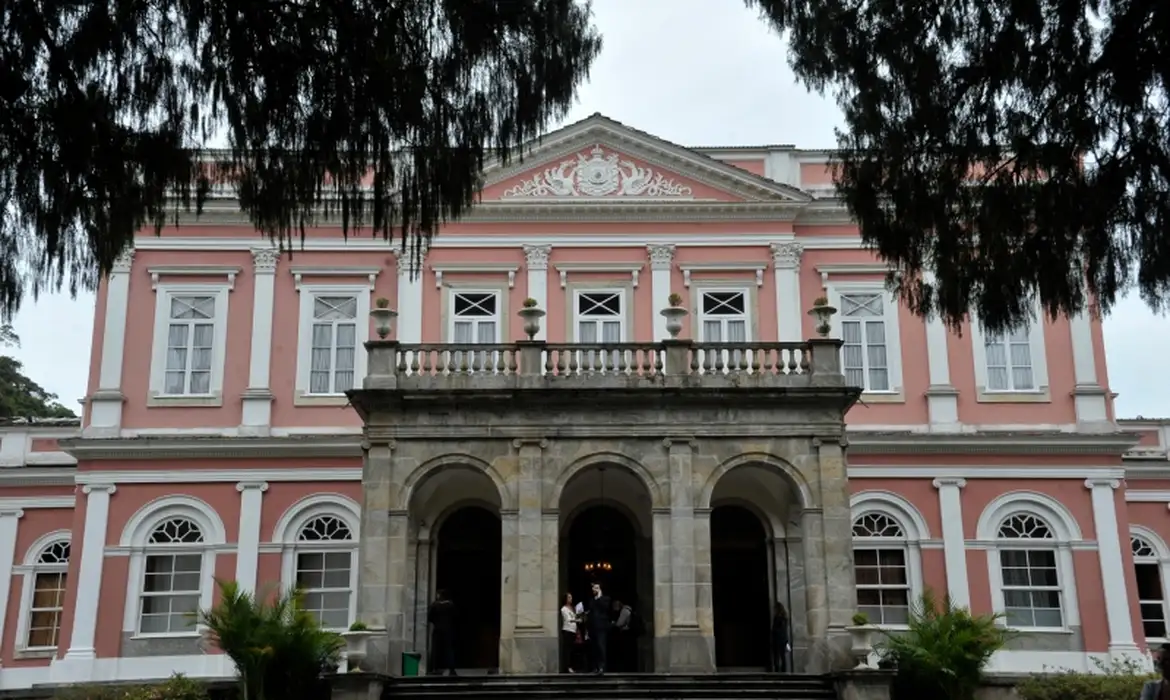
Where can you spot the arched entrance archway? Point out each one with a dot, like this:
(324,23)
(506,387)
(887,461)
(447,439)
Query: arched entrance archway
(756,506)
(606,536)
(456,545)
(741,588)
(467,568)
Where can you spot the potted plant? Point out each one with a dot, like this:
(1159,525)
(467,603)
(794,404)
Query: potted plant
(383,317)
(674,314)
(822,312)
(531,313)
(357,641)
(861,634)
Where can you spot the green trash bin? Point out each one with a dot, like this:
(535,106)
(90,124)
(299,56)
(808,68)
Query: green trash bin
(411,660)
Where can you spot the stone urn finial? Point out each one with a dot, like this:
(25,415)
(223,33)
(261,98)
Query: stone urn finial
(674,315)
(531,313)
(822,312)
(383,317)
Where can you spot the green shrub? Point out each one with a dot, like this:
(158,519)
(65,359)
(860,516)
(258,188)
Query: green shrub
(279,649)
(177,687)
(943,653)
(1119,680)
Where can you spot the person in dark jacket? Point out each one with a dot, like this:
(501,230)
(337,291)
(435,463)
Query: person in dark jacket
(598,623)
(780,639)
(441,616)
(1158,689)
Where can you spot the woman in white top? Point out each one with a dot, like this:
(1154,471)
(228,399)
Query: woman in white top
(568,634)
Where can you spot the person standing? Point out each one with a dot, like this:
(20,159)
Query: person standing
(441,616)
(780,639)
(568,634)
(1159,689)
(598,623)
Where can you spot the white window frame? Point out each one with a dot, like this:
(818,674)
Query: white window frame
(134,542)
(891,310)
(1066,533)
(28,571)
(452,318)
(623,311)
(288,529)
(914,529)
(701,318)
(162,317)
(309,294)
(1162,559)
(1036,347)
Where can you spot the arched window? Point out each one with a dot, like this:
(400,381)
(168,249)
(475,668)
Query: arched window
(44,596)
(1030,572)
(881,559)
(172,583)
(1147,563)
(324,569)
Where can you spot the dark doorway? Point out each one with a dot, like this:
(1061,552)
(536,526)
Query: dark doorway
(604,535)
(468,568)
(741,591)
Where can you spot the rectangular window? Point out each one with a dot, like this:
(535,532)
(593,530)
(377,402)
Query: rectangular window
(190,345)
(1031,588)
(171,593)
(1151,599)
(324,579)
(48,604)
(724,316)
(475,318)
(333,341)
(863,330)
(600,317)
(883,585)
(1009,361)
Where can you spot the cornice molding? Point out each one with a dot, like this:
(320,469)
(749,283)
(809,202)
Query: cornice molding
(254,478)
(37,476)
(1113,444)
(183,447)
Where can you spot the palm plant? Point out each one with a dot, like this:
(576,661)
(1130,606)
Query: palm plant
(278,647)
(944,651)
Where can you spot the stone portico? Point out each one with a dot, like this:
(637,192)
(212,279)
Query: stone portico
(663,433)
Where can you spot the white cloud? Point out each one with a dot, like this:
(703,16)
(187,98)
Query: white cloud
(695,72)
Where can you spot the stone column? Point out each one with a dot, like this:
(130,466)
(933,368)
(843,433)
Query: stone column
(950,502)
(248,547)
(793,595)
(9,524)
(661,261)
(1121,642)
(383,555)
(663,603)
(105,404)
(534,629)
(509,586)
(536,258)
(256,418)
(690,650)
(421,593)
(93,554)
(789,314)
(704,587)
(828,541)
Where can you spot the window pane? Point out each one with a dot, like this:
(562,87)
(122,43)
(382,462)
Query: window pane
(1149,581)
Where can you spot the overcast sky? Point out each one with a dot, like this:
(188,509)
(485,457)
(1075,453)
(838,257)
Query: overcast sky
(695,72)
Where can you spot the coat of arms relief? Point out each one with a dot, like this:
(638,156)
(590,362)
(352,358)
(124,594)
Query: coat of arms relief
(595,173)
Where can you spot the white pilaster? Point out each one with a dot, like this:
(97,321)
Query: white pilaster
(1088,394)
(1116,595)
(536,259)
(257,407)
(661,261)
(786,260)
(93,552)
(9,523)
(248,545)
(410,298)
(942,399)
(105,404)
(950,502)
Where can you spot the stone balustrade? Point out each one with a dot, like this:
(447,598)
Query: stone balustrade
(536,364)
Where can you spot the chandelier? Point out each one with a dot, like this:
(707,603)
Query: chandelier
(598,566)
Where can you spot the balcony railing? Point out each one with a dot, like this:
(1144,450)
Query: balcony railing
(467,365)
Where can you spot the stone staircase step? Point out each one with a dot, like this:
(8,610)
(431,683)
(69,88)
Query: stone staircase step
(614,686)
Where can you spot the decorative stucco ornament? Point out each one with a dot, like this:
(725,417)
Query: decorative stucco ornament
(598,174)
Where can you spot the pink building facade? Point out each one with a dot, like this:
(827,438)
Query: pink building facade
(218,440)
